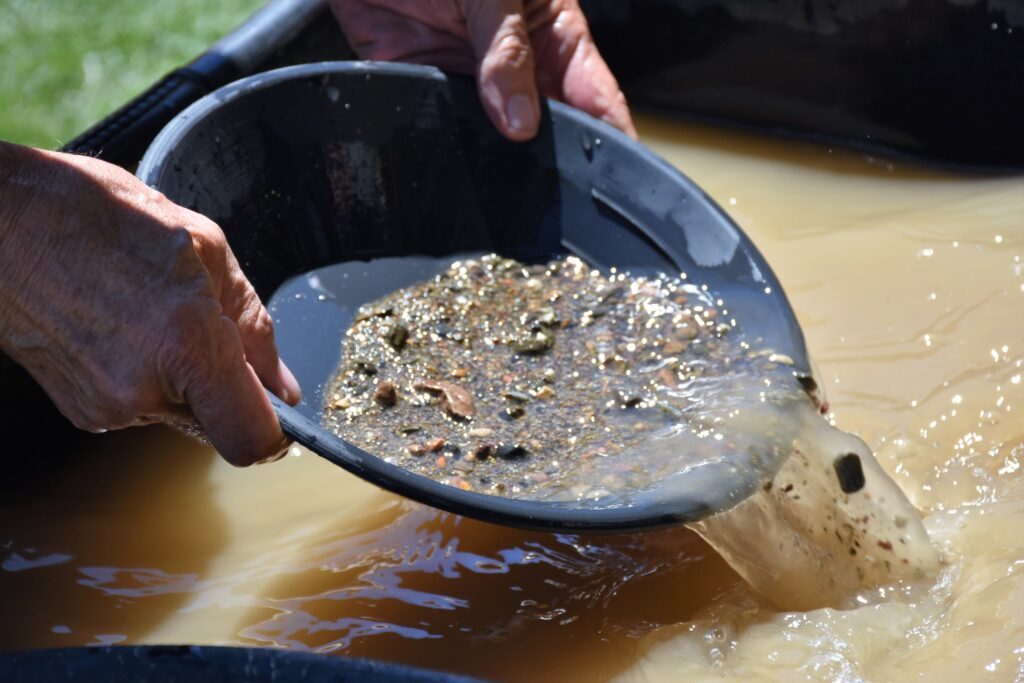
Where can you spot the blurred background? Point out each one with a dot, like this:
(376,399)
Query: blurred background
(67,64)
(937,81)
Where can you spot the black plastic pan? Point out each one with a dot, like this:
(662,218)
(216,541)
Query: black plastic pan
(394,170)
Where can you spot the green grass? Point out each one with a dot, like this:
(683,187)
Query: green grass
(65,64)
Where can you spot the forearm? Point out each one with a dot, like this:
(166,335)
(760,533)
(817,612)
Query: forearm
(13,160)
(17,183)
(30,180)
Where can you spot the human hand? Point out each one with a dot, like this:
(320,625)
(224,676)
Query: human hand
(515,48)
(128,309)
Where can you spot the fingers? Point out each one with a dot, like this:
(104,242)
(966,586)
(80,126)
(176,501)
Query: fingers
(505,73)
(227,399)
(240,303)
(200,361)
(507,38)
(589,85)
(571,67)
(256,331)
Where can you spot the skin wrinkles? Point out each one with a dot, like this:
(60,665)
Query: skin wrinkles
(129,309)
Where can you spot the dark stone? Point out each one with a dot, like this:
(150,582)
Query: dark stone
(511,451)
(849,472)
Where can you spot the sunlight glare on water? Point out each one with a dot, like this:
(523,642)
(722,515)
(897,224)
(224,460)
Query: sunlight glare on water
(910,288)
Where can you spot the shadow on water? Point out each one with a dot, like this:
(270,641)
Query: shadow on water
(85,539)
(413,585)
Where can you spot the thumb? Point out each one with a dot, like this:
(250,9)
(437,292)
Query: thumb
(505,67)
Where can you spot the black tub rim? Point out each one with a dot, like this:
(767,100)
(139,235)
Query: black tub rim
(229,663)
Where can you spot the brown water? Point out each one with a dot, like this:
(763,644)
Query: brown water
(910,288)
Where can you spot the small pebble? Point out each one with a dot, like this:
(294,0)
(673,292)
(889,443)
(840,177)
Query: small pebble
(510,451)
(455,400)
(849,472)
(512,413)
(673,347)
(483,451)
(461,483)
(386,394)
(397,335)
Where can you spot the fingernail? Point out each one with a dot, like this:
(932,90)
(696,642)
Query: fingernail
(519,112)
(290,389)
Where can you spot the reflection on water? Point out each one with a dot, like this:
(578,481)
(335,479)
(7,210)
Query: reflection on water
(114,507)
(381,578)
(490,594)
(910,288)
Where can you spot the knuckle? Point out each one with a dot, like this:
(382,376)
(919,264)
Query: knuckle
(194,242)
(511,47)
(185,256)
(209,232)
(157,197)
(542,14)
(180,240)
(612,106)
(260,325)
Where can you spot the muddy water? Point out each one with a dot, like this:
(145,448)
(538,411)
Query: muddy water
(910,287)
